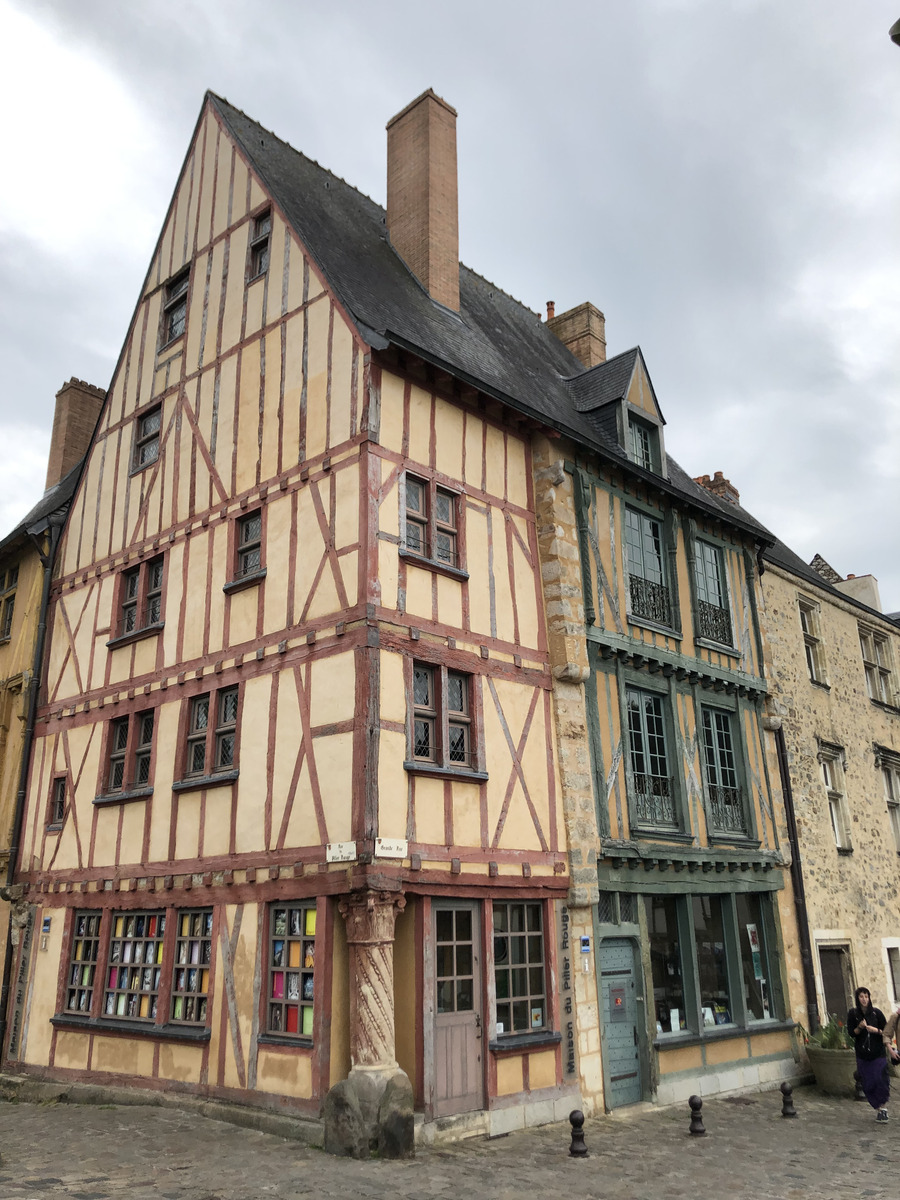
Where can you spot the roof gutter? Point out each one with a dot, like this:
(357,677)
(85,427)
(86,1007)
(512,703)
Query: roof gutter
(53,525)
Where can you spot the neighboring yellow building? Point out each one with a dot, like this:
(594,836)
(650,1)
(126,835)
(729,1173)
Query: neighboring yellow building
(835,694)
(26,564)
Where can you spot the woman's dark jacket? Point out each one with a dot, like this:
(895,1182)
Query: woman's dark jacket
(869,1046)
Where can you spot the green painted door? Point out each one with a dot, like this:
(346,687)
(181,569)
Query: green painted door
(618,1006)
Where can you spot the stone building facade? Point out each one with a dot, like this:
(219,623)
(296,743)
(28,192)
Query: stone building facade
(835,694)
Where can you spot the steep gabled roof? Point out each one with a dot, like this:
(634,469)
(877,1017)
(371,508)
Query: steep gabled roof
(784,557)
(55,499)
(494,343)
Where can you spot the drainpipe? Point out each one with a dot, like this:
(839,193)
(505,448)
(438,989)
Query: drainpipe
(54,526)
(809,979)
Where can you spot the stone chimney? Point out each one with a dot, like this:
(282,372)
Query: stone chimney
(422,216)
(720,486)
(78,405)
(583,330)
(863,588)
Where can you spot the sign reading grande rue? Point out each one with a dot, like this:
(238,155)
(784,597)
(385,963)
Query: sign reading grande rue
(566,991)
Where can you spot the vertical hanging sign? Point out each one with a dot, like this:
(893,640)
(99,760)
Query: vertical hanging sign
(566,978)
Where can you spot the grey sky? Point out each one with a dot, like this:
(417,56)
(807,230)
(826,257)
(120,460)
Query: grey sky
(721,177)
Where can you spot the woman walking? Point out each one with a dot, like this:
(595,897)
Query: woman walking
(866,1023)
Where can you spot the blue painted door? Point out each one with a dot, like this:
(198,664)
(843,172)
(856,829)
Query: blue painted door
(618,1008)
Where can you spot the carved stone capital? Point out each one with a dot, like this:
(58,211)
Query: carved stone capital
(370,916)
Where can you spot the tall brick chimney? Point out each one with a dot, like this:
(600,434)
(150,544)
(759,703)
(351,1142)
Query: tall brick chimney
(422,216)
(583,330)
(78,405)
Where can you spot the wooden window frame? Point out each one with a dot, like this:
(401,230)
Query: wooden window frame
(875,648)
(442,720)
(642,750)
(245,545)
(809,614)
(643,443)
(515,964)
(648,599)
(144,601)
(278,998)
(434,523)
(174,308)
(84,956)
(145,450)
(103,932)
(9,582)
(832,764)
(58,802)
(212,736)
(131,751)
(712,614)
(260,245)
(720,742)
(888,763)
(133,932)
(191,977)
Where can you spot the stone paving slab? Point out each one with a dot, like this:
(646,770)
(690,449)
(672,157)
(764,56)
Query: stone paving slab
(833,1150)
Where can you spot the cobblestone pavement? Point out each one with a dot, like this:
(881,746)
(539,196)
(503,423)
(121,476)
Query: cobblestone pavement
(833,1149)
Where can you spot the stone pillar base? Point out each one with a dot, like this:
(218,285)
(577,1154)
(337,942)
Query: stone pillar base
(371,1110)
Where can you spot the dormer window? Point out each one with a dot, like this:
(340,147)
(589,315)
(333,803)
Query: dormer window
(641,443)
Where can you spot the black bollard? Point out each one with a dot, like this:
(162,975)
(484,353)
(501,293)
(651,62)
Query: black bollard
(860,1094)
(697,1129)
(577,1149)
(787,1103)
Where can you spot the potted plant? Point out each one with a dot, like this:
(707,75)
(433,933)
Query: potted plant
(832,1058)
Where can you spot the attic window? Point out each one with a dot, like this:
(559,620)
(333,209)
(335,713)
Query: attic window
(642,443)
(175,308)
(259,244)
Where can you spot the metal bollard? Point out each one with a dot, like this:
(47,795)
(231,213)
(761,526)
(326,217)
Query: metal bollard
(697,1129)
(787,1103)
(860,1094)
(577,1149)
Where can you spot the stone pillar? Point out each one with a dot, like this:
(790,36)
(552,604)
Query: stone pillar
(373,1107)
(369,918)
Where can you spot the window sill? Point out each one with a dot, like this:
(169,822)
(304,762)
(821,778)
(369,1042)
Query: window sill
(197,782)
(891,708)
(129,1028)
(246,581)
(56,827)
(298,1042)
(462,773)
(660,831)
(123,797)
(845,850)
(432,564)
(656,626)
(170,344)
(507,1043)
(720,1033)
(742,840)
(826,687)
(136,468)
(136,635)
(719,647)
(255,278)
(4,640)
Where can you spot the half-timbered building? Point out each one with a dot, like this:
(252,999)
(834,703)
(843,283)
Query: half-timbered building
(297,696)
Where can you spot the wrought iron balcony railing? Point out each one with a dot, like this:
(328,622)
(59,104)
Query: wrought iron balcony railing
(650,600)
(654,803)
(727,810)
(713,622)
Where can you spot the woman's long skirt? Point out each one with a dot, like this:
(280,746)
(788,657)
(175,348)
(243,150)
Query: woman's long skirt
(873,1075)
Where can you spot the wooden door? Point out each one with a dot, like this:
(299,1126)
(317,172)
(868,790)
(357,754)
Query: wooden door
(620,1024)
(458,1028)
